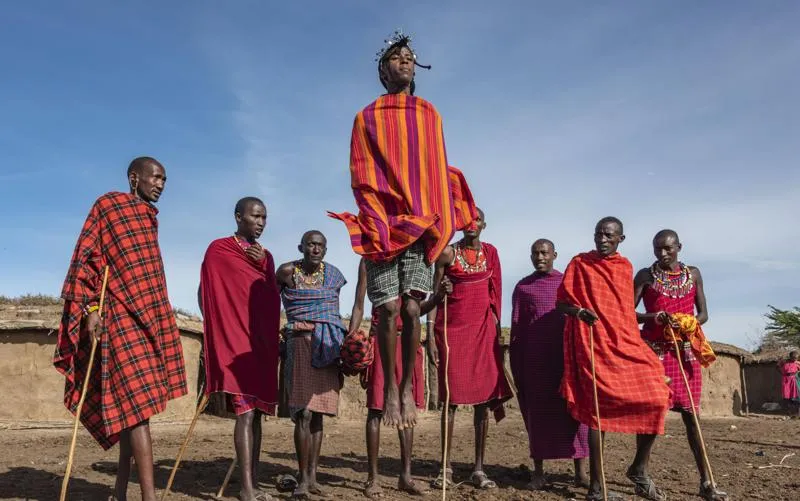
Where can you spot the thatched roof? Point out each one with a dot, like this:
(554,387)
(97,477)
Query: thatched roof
(731,350)
(27,315)
(772,356)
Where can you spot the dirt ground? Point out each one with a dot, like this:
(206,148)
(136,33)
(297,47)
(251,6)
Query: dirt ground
(33,460)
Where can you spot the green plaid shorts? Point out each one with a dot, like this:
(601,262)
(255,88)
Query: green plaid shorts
(405,274)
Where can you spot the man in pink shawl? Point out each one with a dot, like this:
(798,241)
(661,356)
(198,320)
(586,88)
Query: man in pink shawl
(241,315)
(475,368)
(537,363)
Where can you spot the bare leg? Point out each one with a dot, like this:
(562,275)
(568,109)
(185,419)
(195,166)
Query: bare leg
(142,448)
(411,334)
(481,424)
(316,447)
(257,418)
(373,432)
(537,477)
(595,450)
(644,446)
(693,435)
(124,467)
(405,483)
(581,479)
(302,445)
(243,443)
(637,473)
(387,336)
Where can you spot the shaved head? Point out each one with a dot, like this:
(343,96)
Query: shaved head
(667,234)
(244,203)
(543,241)
(311,233)
(611,219)
(139,163)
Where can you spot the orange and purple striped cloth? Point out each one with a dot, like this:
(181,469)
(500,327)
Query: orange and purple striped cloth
(402,184)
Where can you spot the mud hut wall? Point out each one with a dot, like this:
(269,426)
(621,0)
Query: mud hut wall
(33,390)
(763,384)
(722,387)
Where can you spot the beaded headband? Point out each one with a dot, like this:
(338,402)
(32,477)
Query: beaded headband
(397,39)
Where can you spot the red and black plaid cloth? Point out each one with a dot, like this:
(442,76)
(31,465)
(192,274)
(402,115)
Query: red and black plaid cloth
(630,379)
(139,364)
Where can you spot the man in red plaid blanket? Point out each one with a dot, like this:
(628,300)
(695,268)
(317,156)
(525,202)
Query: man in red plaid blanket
(139,362)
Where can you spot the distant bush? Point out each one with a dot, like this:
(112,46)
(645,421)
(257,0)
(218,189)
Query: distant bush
(31,300)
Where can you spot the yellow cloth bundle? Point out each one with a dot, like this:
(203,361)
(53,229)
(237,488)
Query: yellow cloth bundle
(688,329)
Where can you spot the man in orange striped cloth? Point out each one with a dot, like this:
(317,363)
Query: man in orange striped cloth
(410,205)
(602,332)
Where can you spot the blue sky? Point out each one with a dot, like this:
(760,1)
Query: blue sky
(666,114)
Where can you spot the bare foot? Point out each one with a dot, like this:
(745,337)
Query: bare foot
(407,485)
(372,489)
(316,490)
(254,496)
(581,480)
(391,407)
(537,482)
(301,491)
(409,409)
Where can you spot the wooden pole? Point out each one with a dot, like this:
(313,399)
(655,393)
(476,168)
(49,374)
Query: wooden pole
(200,409)
(65,482)
(227,477)
(691,402)
(446,409)
(744,387)
(597,413)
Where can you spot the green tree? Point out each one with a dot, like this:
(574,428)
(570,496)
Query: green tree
(784,325)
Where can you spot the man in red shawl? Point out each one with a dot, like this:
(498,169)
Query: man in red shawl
(408,211)
(597,294)
(670,287)
(476,352)
(139,363)
(374,380)
(241,309)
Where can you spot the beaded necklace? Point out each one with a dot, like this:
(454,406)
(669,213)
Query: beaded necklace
(479,263)
(305,281)
(674,284)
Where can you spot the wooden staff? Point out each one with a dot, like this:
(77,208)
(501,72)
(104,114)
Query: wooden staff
(446,401)
(65,482)
(200,408)
(671,332)
(597,413)
(227,477)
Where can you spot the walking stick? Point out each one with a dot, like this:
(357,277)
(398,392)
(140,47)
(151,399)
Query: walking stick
(597,413)
(65,482)
(200,408)
(446,402)
(691,402)
(227,478)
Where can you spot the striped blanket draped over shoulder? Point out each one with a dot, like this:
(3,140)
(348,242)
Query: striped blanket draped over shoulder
(320,306)
(401,181)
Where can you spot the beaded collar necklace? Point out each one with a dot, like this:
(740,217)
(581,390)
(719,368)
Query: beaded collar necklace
(674,284)
(477,266)
(312,281)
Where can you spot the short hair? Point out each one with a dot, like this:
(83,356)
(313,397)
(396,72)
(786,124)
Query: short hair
(480,211)
(543,241)
(611,219)
(138,163)
(310,233)
(794,352)
(667,233)
(243,203)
